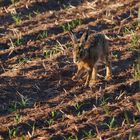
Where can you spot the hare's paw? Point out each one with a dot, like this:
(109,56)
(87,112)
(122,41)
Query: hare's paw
(94,82)
(73,77)
(108,78)
(86,84)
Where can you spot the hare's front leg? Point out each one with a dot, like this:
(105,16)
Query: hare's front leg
(89,74)
(94,74)
(108,69)
(78,73)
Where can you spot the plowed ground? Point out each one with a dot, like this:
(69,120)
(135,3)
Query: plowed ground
(38,99)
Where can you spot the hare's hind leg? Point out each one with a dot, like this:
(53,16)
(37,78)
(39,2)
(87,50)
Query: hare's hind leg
(108,69)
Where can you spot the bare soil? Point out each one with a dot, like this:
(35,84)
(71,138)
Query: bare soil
(38,99)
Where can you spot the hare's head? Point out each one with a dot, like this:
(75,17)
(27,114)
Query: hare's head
(79,52)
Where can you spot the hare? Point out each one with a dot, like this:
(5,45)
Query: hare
(88,52)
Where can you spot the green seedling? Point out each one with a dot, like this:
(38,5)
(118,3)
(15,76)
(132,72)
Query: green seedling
(22,137)
(54,114)
(65,6)
(111,124)
(18,118)
(78,114)
(88,134)
(71,138)
(127,30)
(133,135)
(104,101)
(42,35)
(24,60)
(17,18)
(136,71)
(135,42)
(135,120)
(106,109)
(24,101)
(131,29)
(126,117)
(12,132)
(13,107)
(78,108)
(50,122)
(58,48)
(36,12)
(14,1)
(31,134)
(52,51)
(116,56)
(46,53)
(135,24)
(63,117)
(71,25)
(29,16)
(18,42)
(68,45)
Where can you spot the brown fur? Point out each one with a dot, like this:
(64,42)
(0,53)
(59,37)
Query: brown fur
(88,52)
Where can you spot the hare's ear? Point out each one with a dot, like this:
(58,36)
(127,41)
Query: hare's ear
(84,37)
(73,37)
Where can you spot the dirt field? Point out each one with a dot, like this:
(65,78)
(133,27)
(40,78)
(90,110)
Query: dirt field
(38,98)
